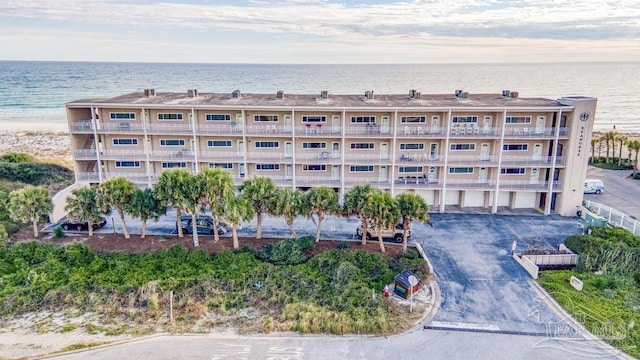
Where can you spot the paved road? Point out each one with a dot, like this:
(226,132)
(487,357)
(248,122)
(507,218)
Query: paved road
(621,193)
(482,286)
(418,345)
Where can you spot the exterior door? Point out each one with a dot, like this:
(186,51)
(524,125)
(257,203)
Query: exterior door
(193,146)
(485,152)
(432,176)
(288,172)
(241,147)
(433,151)
(241,170)
(384,151)
(487,123)
(384,125)
(537,151)
(335,124)
(533,179)
(335,172)
(190,121)
(288,149)
(383,173)
(335,150)
(482,177)
(288,124)
(239,122)
(540,122)
(435,124)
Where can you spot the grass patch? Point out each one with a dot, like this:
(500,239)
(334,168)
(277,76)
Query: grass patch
(82,345)
(611,314)
(329,293)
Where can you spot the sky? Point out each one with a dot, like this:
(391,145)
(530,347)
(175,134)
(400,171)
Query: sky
(320,31)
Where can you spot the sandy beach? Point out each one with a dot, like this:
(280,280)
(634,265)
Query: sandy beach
(41,145)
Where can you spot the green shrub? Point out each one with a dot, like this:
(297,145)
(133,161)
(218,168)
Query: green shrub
(411,254)
(306,243)
(16,158)
(344,245)
(284,252)
(58,233)
(609,293)
(4,236)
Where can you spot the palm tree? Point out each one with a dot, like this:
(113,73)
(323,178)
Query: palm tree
(171,188)
(594,141)
(218,188)
(287,203)
(116,193)
(622,139)
(193,200)
(320,201)
(237,210)
(30,204)
(82,206)
(354,201)
(609,138)
(259,192)
(635,146)
(144,206)
(383,211)
(412,207)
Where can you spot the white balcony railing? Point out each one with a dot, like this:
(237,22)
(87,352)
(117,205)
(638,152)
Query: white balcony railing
(81,127)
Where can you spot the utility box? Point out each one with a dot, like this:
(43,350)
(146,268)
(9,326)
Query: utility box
(402,284)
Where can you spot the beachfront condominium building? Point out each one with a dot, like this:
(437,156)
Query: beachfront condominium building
(485,151)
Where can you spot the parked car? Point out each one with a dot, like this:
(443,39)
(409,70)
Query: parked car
(204,225)
(394,234)
(82,226)
(593,186)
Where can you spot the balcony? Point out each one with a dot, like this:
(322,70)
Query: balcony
(407,131)
(419,159)
(369,130)
(275,157)
(375,181)
(172,155)
(322,157)
(367,159)
(173,129)
(318,129)
(220,156)
(481,160)
(220,129)
(410,182)
(310,181)
(120,128)
(534,133)
(474,131)
(117,154)
(137,178)
(530,161)
(85,154)
(268,130)
(81,127)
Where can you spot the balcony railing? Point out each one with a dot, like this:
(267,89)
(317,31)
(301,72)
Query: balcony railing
(268,156)
(137,178)
(219,155)
(120,127)
(317,181)
(268,130)
(317,129)
(321,157)
(156,128)
(81,127)
(176,155)
(226,129)
(351,158)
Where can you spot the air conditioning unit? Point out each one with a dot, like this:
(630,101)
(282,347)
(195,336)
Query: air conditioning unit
(514,94)
(324,94)
(506,93)
(412,94)
(280,94)
(152,92)
(368,94)
(464,95)
(458,92)
(192,93)
(417,95)
(146,92)
(235,94)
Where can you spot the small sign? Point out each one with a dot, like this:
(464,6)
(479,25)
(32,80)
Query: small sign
(513,245)
(576,283)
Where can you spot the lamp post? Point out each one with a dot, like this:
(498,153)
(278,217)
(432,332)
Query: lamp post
(412,281)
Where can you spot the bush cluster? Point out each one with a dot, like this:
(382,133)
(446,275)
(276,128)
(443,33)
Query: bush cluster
(610,250)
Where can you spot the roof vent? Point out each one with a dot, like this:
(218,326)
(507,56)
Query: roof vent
(368,94)
(149,92)
(280,95)
(417,95)
(192,93)
(506,93)
(235,94)
(324,94)
(462,95)
(412,94)
(514,94)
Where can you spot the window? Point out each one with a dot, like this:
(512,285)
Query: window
(314,145)
(221,165)
(512,171)
(265,118)
(218,117)
(267,144)
(219,143)
(125,142)
(362,146)
(267,167)
(314,167)
(515,147)
(363,119)
(122,116)
(410,169)
(463,147)
(411,146)
(361,168)
(465,119)
(518,119)
(171,142)
(413,119)
(314,118)
(170,165)
(461,170)
(170,116)
(127,164)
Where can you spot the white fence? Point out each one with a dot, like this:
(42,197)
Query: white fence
(613,216)
(553,259)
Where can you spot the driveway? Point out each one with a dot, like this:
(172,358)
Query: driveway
(482,286)
(620,192)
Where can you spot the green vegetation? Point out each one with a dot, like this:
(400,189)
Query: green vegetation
(21,169)
(331,292)
(609,266)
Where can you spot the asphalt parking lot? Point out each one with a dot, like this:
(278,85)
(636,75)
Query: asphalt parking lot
(621,192)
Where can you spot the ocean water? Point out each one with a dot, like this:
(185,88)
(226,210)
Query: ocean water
(33,94)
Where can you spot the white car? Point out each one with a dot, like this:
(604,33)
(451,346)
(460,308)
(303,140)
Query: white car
(394,234)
